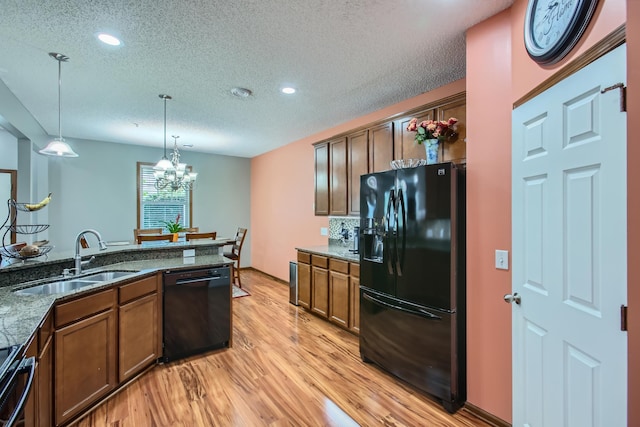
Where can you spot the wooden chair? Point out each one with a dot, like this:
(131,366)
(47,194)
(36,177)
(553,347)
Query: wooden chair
(192,230)
(234,254)
(154,237)
(194,236)
(137,231)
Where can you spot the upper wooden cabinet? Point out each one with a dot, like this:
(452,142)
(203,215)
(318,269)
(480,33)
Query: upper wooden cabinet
(369,150)
(405,146)
(341,161)
(358,150)
(322,178)
(338,176)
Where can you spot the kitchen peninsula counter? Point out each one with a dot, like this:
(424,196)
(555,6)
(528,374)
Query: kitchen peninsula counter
(20,315)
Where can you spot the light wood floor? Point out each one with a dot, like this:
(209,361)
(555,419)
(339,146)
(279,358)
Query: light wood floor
(286,368)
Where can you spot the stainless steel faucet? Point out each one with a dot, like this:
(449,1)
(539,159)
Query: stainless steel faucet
(77,258)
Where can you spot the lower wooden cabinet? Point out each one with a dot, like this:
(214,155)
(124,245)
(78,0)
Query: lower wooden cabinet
(330,288)
(139,331)
(85,353)
(319,285)
(339,292)
(354,298)
(304,280)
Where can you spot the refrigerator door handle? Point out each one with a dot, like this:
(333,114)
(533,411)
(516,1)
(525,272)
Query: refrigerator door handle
(400,252)
(417,312)
(390,208)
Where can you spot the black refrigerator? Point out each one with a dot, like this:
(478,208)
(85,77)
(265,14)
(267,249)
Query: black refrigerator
(412,277)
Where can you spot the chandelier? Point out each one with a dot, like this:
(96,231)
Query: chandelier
(171,173)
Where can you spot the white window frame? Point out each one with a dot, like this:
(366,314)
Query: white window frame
(166,203)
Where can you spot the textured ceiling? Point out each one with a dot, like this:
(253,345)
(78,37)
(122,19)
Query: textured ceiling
(345,57)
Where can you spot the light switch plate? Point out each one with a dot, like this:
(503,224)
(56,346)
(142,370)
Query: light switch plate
(502,259)
(324,231)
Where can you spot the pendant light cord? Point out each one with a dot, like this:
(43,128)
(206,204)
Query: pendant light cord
(59,98)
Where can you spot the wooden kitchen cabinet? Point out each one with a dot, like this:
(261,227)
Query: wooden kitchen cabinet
(38,409)
(321,178)
(457,150)
(304,280)
(330,288)
(139,326)
(369,150)
(85,343)
(338,176)
(454,106)
(339,292)
(320,285)
(354,298)
(358,150)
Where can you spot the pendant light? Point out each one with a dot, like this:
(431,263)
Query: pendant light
(58,147)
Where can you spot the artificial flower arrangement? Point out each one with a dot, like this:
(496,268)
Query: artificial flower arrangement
(433,129)
(174,226)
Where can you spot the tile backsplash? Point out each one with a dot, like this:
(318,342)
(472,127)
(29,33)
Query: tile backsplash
(335,225)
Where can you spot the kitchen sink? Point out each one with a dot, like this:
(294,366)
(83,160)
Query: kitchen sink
(108,275)
(56,287)
(73,283)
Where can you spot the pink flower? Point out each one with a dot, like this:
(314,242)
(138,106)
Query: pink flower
(452,121)
(412,127)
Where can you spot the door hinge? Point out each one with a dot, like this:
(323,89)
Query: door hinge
(623,317)
(623,95)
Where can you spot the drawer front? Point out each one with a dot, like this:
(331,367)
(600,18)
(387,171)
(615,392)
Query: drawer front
(319,261)
(304,257)
(355,269)
(80,308)
(339,265)
(137,289)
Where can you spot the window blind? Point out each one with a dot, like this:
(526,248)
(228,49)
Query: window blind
(159,206)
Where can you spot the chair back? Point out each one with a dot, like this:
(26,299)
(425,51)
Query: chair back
(194,236)
(137,231)
(192,230)
(239,240)
(154,237)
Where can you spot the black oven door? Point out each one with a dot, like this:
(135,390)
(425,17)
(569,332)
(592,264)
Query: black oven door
(15,387)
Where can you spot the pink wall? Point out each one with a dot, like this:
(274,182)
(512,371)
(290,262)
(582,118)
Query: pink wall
(489,214)
(498,73)
(633,209)
(282,189)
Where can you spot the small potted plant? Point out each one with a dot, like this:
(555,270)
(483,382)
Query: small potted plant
(174,227)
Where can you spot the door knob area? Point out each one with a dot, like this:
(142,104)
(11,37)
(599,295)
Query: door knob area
(508,298)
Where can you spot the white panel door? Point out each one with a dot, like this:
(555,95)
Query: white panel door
(569,252)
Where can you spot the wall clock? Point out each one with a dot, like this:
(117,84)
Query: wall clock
(553,27)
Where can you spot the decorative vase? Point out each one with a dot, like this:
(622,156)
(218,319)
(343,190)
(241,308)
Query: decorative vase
(431,147)
(174,238)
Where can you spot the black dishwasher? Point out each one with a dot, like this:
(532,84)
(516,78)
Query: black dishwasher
(197,311)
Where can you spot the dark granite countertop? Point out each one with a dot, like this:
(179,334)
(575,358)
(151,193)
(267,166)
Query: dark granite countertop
(332,250)
(20,315)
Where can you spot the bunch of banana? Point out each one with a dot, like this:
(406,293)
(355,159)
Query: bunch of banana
(36,207)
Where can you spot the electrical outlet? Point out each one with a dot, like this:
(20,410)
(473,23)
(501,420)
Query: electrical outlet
(502,259)
(324,231)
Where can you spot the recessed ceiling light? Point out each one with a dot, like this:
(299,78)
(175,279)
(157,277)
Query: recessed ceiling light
(109,39)
(241,92)
(288,90)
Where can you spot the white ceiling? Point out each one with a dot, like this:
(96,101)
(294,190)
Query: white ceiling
(346,58)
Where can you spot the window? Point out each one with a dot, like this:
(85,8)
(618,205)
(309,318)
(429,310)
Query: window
(157,206)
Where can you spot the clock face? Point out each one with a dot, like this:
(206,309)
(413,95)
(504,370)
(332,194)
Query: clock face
(552,27)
